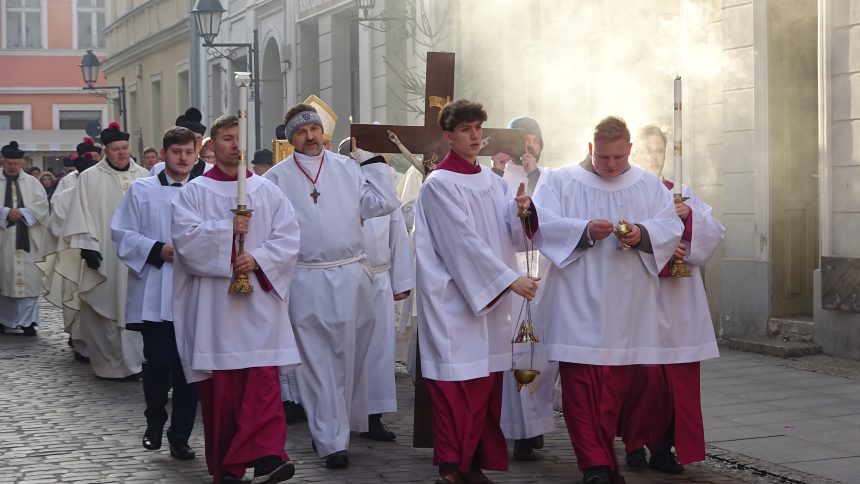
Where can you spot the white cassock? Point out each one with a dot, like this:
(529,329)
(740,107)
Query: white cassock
(685,319)
(390,256)
(407,192)
(332,296)
(114,352)
(143,218)
(62,292)
(216,330)
(464,264)
(599,304)
(528,412)
(67,181)
(20,280)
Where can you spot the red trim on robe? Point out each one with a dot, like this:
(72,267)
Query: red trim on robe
(592,397)
(243,419)
(467,416)
(217,174)
(664,398)
(687,236)
(456,163)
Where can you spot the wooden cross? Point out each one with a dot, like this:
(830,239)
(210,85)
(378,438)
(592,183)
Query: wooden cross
(315,194)
(428,140)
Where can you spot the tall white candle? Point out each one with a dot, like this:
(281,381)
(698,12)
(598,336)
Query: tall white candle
(243,80)
(678,168)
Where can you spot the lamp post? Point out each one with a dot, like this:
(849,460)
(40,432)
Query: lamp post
(207,15)
(90,66)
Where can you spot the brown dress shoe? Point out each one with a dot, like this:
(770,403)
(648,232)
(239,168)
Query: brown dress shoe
(449,477)
(475,476)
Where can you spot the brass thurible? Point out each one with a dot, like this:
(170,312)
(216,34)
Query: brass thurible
(241,283)
(526,333)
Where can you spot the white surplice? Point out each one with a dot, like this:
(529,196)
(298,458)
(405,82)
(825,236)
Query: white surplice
(599,305)
(143,218)
(390,256)
(528,412)
(685,319)
(216,330)
(332,298)
(20,280)
(466,236)
(113,351)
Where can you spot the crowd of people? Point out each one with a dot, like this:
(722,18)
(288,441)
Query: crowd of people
(142,257)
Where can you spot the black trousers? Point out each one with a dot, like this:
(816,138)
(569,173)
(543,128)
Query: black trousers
(161,371)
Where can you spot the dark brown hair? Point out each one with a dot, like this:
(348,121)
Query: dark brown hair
(461,111)
(611,128)
(150,149)
(223,121)
(176,135)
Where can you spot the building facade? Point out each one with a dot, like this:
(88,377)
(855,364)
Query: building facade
(42,103)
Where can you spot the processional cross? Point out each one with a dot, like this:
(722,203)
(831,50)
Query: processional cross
(428,140)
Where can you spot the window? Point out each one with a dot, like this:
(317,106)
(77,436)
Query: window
(11,120)
(91,24)
(79,119)
(24,24)
(182,91)
(156,109)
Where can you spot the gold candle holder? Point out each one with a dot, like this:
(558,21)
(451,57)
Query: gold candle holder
(679,266)
(241,282)
(621,230)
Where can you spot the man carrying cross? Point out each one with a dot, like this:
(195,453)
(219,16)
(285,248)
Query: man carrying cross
(331,303)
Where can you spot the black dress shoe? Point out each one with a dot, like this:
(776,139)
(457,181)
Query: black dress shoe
(181,451)
(537,442)
(30,330)
(337,460)
(596,475)
(80,357)
(637,459)
(524,450)
(294,412)
(272,469)
(377,430)
(152,438)
(228,479)
(666,461)
(2,329)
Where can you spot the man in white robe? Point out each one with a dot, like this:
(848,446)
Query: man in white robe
(23,219)
(599,305)
(332,298)
(466,234)
(141,233)
(527,414)
(234,346)
(390,255)
(663,408)
(88,259)
(61,291)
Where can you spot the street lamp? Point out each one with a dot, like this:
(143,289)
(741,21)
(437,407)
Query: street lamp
(90,66)
(387,18)
(207,15)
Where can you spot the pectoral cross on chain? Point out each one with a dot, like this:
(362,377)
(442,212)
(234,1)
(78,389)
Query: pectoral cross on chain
(315,194)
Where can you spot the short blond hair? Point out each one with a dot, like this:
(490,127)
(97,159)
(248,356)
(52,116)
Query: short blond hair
(611,128)
(223,121)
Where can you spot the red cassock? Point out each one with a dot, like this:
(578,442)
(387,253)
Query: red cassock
(243,419)
(592,397)
(466,416)
(661,398)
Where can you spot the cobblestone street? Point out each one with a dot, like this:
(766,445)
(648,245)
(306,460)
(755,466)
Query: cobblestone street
(60,424)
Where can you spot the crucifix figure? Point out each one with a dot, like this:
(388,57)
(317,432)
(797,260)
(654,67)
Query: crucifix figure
(315,194)
(428,141)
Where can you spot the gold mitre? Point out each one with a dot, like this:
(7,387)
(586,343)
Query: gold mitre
(329,118)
